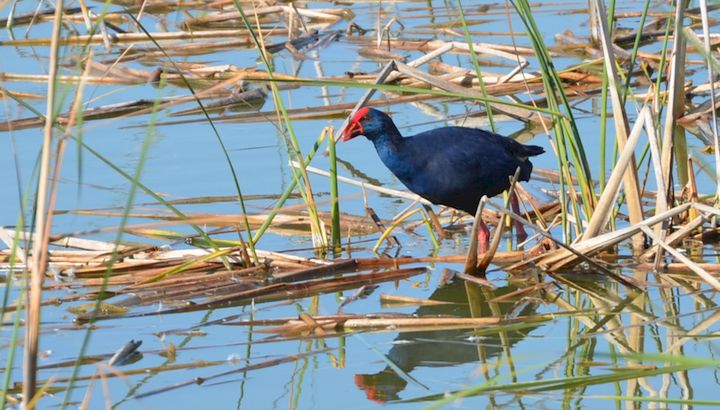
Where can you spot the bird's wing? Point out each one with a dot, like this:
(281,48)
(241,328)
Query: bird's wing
(455,161)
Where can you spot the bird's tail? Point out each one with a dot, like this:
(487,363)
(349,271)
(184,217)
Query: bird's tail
(531,150)
(526,168)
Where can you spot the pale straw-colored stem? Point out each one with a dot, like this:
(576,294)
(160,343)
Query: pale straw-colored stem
(42,221)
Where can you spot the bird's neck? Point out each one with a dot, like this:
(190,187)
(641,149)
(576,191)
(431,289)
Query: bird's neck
(390,138)
(390,148)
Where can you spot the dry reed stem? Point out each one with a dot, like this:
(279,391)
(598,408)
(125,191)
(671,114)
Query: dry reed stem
(558,259)
(7,237)
(477,280)
(290,222)
(121,38)
(405,324)
(397,300)
(622,129)
(661,203)
(674,238)
(123,109)
(91,260)
(384,73)
(365,185)
(676,102)
(708,278)
(43,219)
(20,95)
(563,246)
(285,291)
(515,112)
(711,78)
(625,164)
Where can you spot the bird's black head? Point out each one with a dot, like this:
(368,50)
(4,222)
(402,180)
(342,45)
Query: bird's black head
(368,122)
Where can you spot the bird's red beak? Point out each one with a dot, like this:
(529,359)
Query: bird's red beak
(353,129)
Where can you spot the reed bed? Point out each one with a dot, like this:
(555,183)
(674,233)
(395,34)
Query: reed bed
(642,220)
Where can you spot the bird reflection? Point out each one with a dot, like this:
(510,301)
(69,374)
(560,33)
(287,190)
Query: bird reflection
(446,348)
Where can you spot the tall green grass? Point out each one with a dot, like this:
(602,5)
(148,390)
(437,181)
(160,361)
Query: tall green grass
(291,142)
(335,207)
(476,64)
(572,159)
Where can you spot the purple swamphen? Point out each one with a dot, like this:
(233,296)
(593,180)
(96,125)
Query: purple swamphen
(453,166)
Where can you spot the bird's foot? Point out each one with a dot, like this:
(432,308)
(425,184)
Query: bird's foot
(483,238)
(519,228)
(520,232)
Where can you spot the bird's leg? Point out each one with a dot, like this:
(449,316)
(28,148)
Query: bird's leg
(483,237)
(519,229)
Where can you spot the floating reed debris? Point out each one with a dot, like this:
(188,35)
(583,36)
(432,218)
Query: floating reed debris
(393,323)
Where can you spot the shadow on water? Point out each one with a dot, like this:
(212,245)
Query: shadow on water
(448,348)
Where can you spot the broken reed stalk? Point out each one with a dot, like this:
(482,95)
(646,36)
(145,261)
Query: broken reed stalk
(43,220)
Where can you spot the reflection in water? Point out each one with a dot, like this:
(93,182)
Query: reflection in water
(445,348)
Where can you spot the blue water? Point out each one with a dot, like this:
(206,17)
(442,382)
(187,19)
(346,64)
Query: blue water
(186,161)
